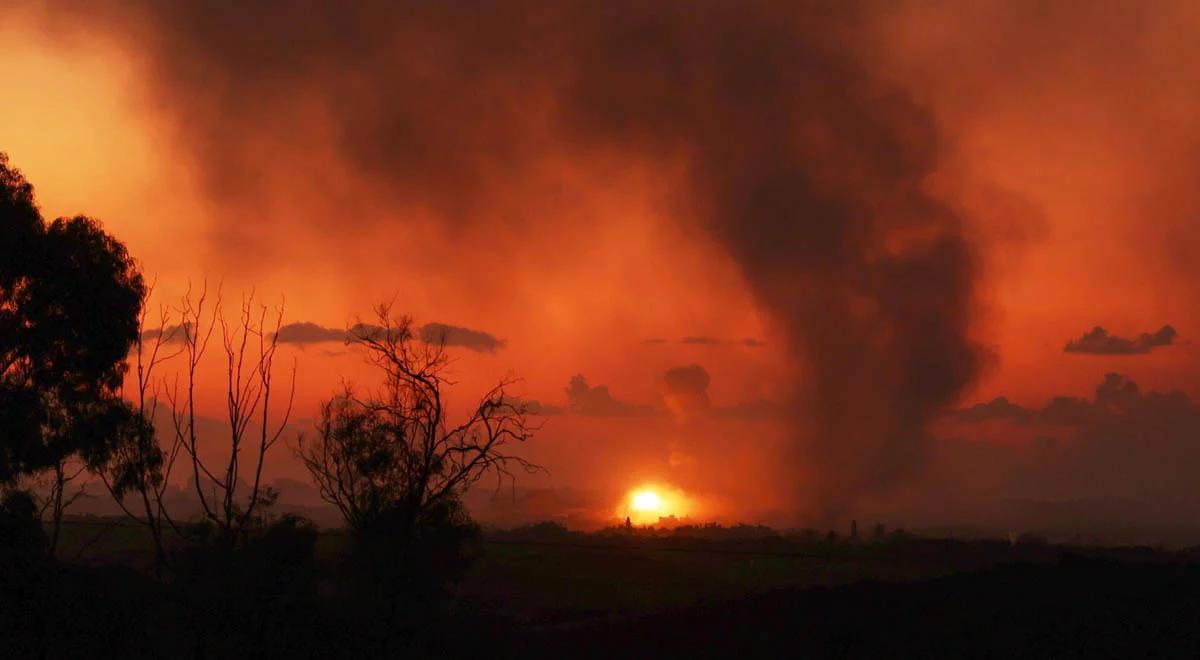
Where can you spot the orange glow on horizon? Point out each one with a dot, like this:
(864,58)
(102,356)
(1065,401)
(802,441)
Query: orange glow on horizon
(649,503)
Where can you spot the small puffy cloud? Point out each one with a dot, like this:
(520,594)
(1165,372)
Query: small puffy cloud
(1098,341)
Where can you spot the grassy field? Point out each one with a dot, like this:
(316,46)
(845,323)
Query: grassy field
(705,592)
(534,578)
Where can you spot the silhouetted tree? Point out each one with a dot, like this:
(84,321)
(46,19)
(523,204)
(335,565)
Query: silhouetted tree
(249,346)
(396,468)
(137,471)
(69,301)
(396,451)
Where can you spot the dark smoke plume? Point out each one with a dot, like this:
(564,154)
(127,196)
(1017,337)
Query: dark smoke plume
(803,164)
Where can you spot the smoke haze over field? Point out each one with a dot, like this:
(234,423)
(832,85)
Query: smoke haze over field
(913,204)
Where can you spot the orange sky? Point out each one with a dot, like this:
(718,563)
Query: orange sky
(1071,160)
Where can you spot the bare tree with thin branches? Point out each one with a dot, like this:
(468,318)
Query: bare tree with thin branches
(57,499)
(139,465)
(396,449)
(249,345)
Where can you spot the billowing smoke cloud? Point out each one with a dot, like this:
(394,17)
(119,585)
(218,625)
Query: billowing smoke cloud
(809,169)
(1099,342)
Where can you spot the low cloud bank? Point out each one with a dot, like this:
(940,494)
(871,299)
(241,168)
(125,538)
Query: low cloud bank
(1098,341)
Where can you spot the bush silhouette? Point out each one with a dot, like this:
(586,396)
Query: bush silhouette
(398,574)
(257,595)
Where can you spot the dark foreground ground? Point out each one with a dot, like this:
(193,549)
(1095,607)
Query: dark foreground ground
(1076,609)
(565,595)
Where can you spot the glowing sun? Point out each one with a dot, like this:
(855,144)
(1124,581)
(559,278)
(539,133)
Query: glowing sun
(651,504)
(646,500)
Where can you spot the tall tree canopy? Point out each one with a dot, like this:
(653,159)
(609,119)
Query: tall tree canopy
(69,301)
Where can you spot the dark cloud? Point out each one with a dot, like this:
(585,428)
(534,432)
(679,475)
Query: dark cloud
(305,332)
(171,334)
(452,335)
(998,408)
(1116,398)
(597,401)
(807,168)
(1099,342)
(535,407)
(1120,445)
(686,396)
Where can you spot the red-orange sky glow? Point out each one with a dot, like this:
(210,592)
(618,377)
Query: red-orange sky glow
(429,162)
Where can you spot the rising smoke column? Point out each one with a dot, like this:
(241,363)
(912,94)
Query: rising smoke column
(811,175)
(807,168)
